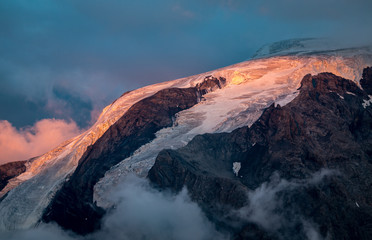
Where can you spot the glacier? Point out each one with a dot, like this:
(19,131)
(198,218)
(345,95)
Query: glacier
(251,87)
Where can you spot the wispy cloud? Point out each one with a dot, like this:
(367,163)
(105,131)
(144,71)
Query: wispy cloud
(141,213)
(146,213)
(267,209)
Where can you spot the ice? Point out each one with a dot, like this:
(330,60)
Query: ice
(251,87)
(368,102)
(239,103)
(286,99)
(236,168)
(350,93)
(26,201)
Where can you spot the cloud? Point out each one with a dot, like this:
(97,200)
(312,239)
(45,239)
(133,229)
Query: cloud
(267,210)
(97,50)
(33,141)
(346,21)
(42,232)
(141,213)
(145,213)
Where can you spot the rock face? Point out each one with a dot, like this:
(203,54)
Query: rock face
(366,81)
(73,206)
(10,170)
(324,127)
(210,84)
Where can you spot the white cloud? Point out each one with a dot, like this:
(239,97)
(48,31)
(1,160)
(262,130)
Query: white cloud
(141,213)
(267,210)
(145,213)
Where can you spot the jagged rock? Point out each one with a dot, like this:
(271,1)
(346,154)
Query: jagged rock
(210,84)
(366,81)
(10,170)
(325,126)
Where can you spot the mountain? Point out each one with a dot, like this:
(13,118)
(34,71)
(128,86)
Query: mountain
(272,147)
(327,126)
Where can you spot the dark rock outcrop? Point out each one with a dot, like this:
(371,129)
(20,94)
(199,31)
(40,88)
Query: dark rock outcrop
(325,126)
(73,206)
(11,170)
(366,81)
(210,84)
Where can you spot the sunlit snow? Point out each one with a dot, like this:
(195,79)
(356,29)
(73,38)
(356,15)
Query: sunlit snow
(251,87)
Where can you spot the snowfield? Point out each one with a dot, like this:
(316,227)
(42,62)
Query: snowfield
(251,87)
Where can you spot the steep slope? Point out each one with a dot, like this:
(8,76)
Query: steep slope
(34,189)
(327,126)
(250,87)
(366,81)
(73,204)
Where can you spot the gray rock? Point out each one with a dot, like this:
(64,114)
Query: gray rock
(324,127)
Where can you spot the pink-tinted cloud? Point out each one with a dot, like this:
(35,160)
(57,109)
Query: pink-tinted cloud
(33,141)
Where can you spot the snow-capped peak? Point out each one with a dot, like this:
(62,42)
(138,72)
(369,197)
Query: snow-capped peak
(250,87)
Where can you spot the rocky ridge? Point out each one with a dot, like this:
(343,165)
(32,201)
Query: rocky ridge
(73,204)
(9,171)
(325,127)
(250,88)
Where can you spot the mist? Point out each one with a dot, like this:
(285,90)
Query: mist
(146,213)
(267,209)
(141,212)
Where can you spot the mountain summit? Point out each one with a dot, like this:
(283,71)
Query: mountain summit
(276,147)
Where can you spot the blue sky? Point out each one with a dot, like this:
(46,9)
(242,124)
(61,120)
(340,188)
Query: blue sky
(68,59)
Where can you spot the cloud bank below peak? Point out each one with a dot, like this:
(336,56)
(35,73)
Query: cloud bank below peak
(141,213)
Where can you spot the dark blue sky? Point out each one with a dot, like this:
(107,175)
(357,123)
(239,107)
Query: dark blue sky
(68,59)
